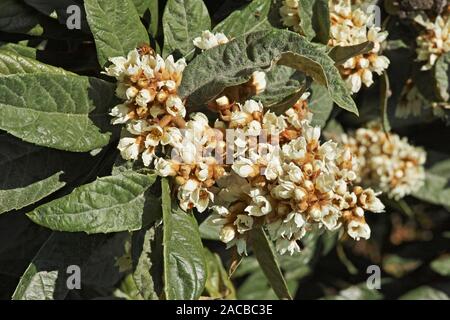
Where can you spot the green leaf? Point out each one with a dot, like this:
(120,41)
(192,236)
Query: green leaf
(55,110)
(47,275)
(268,263)
(233,63)
(385,92)
(208,230)
(282,83)
(341,54)
(441,265)
(399,266)
(143,264)
(442,168)
(116,27)
(442,76)
(252,18)
(184,261)
(425,293)
(18,198)
(218,285)
(357,292)
(20,50)
(256,287)
(434,190)
(30,173)
(150,6)
(183,20)
(320,104)
(109,204)
(11,63)
(315,19)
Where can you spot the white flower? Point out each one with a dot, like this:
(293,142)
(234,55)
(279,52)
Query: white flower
(258,81)
(200,199)
(203,173)
(147,156)
(284,190)
(284,245)
(198,122)
(227,233)
(273,124)
(294,172)
(131,92)
(325,182)
(434,41)
(244,167)
(144,97)
(209,40)
(260,206)
(128,148)
(251,106)
(330,218)
(120,114)
(358,229)
(175,68)
(154,136)
(243,223)
(175,107)
(172,136)
(164,168)
(138,127)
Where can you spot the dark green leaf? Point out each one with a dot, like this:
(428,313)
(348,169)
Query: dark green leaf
(425,293)
(252,18)
(11,63)
(218,285)
(55,110)
(320,104)
(142,273)
(184,261)
(116,27)
(282,83)
(435,190)
(13,199)
(109,204)
(357,292)
(442,76)
(315,19)
(268,263)
(442,168)
(20,50)
(341,54)
(183,20)
(441,265)
(152,7)
(385,92)
(46,276)
(208,230)
(232,64)
(30,173)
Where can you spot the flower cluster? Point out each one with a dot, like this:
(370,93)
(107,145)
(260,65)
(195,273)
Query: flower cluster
(151,110)
(292,184)
(434,41)
(349,27)
(195,163)
(253,167)
(386,161)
